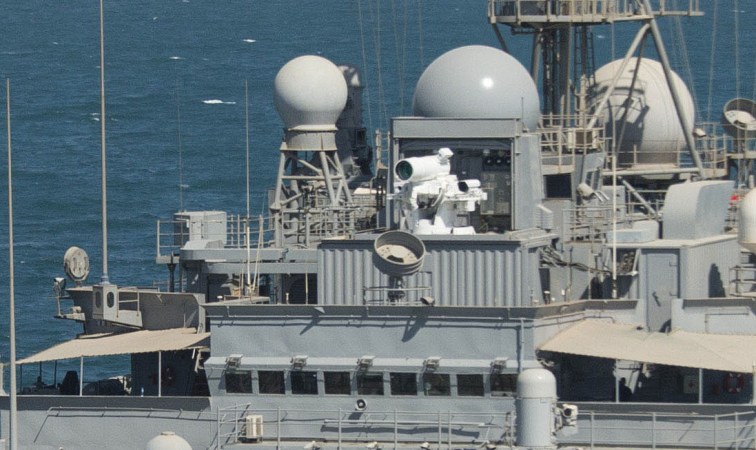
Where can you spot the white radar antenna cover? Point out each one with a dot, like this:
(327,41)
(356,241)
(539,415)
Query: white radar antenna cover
(76,264)
(168,440)
(310,94)
(477,82)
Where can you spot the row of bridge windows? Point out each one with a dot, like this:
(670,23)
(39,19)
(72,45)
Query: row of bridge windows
(304,382)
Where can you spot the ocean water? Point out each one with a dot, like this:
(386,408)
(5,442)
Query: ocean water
(176,72)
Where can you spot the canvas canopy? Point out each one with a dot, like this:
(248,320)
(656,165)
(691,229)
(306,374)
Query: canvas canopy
(143,341)
(729,353)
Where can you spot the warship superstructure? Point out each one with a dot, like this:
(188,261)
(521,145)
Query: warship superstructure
(519,247)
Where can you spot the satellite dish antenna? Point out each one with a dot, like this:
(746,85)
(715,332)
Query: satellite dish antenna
(739,119)
(398,254)
(76,264)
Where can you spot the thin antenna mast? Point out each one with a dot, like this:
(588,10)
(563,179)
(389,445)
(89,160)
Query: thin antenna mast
(246,120)
(249,218)
(248,276)
(180,149)
(104,172)
(12,302)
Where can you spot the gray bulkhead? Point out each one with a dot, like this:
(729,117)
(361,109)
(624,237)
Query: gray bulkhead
(480,270)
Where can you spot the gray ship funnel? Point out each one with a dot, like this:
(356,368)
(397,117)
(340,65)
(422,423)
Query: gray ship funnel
(398,254)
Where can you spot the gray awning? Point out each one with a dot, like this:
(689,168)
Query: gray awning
(730,353)
(143,341)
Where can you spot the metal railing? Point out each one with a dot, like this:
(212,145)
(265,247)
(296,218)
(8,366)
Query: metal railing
(447,430)
(588,223)
(562,138)
(387,428)
(311,225)
(590,10)
(742,281)
(303,226)
(173,234)
(665,430)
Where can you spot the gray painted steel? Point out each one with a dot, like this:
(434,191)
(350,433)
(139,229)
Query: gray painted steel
(320,348)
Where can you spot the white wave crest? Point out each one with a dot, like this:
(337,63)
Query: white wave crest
(215,101)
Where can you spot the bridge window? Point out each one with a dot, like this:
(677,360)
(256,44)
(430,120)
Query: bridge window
(338,383)
(271,382)
(470,385)
(369,383)
(239,382)
(503,384)
(304,382)
(403,383)
(436,384)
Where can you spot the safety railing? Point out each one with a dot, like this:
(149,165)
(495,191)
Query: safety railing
(301,226)
(307,226)
(379,429)
(665,430)
(447,430)
(588,223)
(562,138)
(515,11)
(236,231)
(742,281)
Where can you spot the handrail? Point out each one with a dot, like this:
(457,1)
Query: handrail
(394,427)
(592,10)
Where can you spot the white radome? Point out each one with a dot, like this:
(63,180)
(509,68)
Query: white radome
(310,93)
(477,81)
(168,440)
(652,131)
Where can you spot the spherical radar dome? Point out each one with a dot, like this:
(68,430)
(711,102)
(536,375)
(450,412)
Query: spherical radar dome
(650,127)
(477,82)
(310,93)
(168,440)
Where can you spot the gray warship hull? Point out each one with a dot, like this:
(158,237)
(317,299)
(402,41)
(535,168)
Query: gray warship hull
(569,229)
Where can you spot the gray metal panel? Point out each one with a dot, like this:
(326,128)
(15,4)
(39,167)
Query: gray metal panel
(720,315)
(705,268)
(420,332)
(420,127)
(527,183)
(474,277)
(465,272)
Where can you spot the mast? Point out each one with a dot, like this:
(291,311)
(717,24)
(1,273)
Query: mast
(12,301)
(104,172)
(562,59)
(248,276)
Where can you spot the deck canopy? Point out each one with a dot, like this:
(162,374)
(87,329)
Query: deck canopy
(143,341)
(729,353)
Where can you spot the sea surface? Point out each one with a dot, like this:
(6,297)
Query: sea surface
(175,90)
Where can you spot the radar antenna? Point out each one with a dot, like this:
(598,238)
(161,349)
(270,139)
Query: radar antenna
(398,254)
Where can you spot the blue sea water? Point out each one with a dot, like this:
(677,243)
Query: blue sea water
(177,69)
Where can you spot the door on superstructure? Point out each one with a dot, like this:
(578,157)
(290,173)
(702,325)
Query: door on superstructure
(662,285)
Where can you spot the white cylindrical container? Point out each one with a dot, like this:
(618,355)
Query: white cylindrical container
(536,399)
